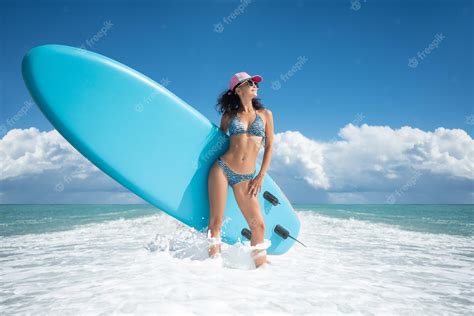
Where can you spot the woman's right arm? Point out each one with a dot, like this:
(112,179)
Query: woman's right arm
(224,126)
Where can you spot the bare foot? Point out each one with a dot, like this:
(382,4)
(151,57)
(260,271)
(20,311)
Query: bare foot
(214,244)
(214,250)
(260,257)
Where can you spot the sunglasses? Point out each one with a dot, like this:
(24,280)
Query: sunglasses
(250,83)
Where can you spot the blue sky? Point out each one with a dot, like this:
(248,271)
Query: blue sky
(357,59)
(356,56)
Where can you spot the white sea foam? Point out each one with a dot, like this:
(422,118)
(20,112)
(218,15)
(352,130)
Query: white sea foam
(156,265)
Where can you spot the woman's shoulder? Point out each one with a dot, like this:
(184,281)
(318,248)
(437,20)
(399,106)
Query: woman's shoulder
(264,111)
(226,116)
(267,113)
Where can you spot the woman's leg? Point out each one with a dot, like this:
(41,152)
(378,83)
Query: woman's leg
(217,187)
(250,208)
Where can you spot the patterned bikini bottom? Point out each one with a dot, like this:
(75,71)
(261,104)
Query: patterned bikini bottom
(232,176)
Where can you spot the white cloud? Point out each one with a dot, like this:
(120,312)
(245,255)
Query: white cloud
(42,167)
(367,151)
(369,159)
(302,157)
(364,166)
(380,152)
(25,152)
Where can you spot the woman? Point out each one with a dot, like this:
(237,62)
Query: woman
(250,126)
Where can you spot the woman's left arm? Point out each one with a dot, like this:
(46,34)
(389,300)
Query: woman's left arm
(256,183)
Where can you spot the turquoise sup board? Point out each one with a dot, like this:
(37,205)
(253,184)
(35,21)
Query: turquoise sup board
(146,138)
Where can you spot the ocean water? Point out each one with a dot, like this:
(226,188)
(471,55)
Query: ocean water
(134,259)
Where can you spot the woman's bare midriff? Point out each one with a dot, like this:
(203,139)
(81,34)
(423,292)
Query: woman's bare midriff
(242,154)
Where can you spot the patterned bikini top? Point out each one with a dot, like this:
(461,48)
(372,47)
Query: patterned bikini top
(257,128)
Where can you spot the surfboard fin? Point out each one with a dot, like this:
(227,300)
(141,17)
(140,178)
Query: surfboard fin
(279,230)
(271,198)
(246,233)
(283,233)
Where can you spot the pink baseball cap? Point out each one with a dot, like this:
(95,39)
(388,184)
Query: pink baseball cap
(242,76)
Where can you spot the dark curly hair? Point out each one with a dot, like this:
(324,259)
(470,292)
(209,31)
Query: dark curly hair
(229,103)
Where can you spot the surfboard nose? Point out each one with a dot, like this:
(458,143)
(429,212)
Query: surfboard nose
(36,63)
(37,55)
